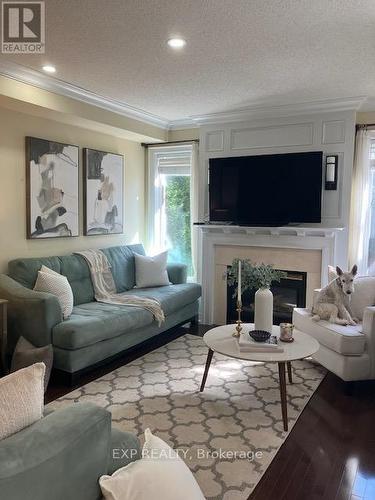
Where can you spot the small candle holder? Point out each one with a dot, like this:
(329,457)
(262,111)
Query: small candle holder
(238,331)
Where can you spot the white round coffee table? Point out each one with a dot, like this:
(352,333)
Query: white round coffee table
(220,340)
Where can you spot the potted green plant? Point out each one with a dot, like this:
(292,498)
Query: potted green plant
(258,277)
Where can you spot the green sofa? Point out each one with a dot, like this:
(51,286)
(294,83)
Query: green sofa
(63,455)
(95,331)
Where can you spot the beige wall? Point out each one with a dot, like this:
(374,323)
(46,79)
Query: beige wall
(14,126)
(183,134)
(366,117)
(44,103)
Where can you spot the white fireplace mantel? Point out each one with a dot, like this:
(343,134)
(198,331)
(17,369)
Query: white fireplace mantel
(288,237)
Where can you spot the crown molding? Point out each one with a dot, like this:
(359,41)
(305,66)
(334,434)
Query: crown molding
(182,124)
(281,110)
(36,79)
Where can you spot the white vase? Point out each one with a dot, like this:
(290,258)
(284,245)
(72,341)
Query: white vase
(263,309)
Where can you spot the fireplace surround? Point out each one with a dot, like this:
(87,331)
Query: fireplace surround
(290,292)
(305,249)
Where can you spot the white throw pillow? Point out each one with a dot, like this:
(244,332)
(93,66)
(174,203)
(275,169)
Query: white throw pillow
(332,275)
(151,271)
(21,399)
(160,474)
(363,295)
(57,284)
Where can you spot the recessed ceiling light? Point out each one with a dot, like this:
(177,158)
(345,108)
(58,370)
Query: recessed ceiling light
(176,43)
(48,68)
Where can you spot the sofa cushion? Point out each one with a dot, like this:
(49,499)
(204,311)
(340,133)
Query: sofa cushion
(363,296)
(171,297)
(125,448)
(75,268)
(60,457)
(121,259)
(93,322)
(25,271)
(347,340)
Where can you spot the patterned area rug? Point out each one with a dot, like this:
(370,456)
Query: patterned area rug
(228,434)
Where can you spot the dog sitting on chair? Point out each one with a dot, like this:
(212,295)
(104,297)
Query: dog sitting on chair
(332,302)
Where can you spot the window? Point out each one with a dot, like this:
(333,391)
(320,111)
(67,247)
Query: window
(169,203)
(371,254)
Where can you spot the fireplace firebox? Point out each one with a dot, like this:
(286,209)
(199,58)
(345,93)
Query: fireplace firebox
(289,293)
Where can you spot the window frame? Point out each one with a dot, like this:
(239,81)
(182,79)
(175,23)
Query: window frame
(372,199)
(158,158)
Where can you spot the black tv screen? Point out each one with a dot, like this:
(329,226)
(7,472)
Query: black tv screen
(266,190)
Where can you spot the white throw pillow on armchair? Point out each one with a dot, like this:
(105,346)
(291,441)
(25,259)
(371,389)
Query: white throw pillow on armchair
(21,399)
(160,474)
(151,271)
(363,296)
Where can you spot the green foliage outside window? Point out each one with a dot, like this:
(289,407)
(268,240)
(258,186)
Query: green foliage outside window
(177,208)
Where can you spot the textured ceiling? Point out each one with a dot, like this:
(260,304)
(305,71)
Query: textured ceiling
(238,53)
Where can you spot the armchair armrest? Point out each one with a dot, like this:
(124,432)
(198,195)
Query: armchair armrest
(125,448)
(368,328)
(30,314)
(60,456)
(177,273)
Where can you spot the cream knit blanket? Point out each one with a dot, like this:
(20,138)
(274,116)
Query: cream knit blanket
(105,288)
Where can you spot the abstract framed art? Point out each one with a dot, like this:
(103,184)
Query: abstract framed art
(103,190)
(51,189)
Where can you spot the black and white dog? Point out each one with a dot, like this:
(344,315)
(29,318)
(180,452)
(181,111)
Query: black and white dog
(332,302)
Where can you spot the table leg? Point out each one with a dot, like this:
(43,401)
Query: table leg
(3,337)
(289,367)
(282,382)
(207,367)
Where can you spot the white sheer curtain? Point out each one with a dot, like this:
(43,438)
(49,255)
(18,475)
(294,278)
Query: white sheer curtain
(360,203)
(194,196)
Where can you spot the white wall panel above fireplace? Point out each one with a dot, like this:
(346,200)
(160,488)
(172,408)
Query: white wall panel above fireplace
(332,133)
(215,141)
(298,134)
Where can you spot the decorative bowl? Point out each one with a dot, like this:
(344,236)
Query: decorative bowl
(259,335)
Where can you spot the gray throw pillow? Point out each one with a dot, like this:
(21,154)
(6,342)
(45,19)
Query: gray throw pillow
(25,354)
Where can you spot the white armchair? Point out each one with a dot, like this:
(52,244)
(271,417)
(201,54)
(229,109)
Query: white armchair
(347,351)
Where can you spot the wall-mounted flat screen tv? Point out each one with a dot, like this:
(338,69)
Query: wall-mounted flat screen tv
(266,190)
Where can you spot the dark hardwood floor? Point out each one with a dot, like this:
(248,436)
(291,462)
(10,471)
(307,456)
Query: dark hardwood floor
(328,455)
(330,452)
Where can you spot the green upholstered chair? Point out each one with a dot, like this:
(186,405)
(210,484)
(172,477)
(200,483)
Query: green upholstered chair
(63,455)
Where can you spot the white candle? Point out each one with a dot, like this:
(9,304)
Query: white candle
(239,293)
